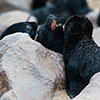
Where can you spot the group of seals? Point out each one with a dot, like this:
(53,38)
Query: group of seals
(62,8)
(80,53)
(50,34)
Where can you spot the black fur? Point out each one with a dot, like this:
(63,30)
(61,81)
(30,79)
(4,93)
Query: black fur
(78,6)
(24,27)
(51,39)
(42,13)
(38,3)
(98,20)
(81,54)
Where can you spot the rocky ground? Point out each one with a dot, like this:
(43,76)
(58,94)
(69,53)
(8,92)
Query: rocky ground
(28,71)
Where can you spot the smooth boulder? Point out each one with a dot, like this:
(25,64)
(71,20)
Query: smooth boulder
(32,71)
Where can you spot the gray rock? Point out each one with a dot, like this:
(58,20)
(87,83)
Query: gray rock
(93,16)
(61,95)
(96,35)
(4,6)
(33,72)
(21,4)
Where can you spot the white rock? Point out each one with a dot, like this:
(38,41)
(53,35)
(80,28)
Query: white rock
(96,35)
(33,72)
(22,4)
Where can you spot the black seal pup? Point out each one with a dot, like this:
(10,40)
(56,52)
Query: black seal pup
(50,34)
(81,54)
(37,3)
(24,27)
(98,20)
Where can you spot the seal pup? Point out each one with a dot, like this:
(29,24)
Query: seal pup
(24,27)
(81,54)
(50,34)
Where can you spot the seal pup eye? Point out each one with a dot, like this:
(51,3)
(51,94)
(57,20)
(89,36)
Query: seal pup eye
(28,28)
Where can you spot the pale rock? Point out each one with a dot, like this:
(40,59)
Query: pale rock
(61,95)
(93,16)
(96,35)
(33,72)
(10,95)
(15,16)
(22,4)
(94,4)
(92,90)
(4,6)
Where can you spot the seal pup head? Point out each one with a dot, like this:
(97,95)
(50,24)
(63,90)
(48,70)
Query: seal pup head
(50,34)
(24,27)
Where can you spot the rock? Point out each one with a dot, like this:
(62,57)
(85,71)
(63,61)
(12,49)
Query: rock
(33,72)
(10,95)
(93,16)
(94,4)
(96,35)
(5,7)
(11,17)
(61,95)
(92,90)
(25,4)
(3,83)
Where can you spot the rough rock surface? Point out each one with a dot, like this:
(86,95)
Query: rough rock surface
(32,71)
(11,17)
(91,91)
(28,71)
(16,4)
(60,95)
(5,7)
